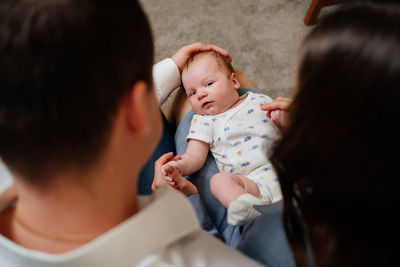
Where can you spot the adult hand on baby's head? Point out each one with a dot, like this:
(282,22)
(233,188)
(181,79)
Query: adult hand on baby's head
(184,53)
(277,110)
(159,179)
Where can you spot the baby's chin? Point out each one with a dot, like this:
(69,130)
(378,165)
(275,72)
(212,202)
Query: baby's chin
(209,112)
(203,113)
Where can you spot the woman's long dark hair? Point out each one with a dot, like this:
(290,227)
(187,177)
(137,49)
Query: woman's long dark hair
(337,160)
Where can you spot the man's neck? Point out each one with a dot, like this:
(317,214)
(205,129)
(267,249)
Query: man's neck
(45,218)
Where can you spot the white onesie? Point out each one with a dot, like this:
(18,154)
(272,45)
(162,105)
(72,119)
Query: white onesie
(240,140)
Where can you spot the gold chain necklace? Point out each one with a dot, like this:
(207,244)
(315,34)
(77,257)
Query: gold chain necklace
(61,238)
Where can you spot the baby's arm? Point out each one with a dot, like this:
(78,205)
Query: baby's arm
(192,160)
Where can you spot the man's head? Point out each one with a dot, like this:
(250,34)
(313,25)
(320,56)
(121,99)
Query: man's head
(210,83)
(65,66)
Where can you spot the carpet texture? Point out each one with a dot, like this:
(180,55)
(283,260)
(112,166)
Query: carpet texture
(263,36)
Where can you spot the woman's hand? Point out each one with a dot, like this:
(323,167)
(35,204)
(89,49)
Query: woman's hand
(277,110)
(186,51)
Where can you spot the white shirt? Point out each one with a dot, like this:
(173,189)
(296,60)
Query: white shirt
(164,233)
(166,78)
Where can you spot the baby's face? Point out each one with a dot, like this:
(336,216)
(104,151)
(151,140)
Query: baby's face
(209,87)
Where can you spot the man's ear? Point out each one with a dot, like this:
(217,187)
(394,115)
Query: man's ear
(235,81)
(137,107)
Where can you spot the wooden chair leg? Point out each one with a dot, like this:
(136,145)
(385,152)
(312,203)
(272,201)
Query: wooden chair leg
(313,12)
(315,8)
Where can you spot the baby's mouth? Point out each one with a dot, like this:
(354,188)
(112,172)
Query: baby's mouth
(207,104)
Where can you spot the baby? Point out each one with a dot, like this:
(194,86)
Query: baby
(235,130)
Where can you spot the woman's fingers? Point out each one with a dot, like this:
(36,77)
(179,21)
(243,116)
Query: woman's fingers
(281,103)
(222,51)
(277,111)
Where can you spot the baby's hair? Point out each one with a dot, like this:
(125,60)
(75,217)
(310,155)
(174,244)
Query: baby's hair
(221,59)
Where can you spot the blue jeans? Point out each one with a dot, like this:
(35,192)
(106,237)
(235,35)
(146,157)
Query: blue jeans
(264,238)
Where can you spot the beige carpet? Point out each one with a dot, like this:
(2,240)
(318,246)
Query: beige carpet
(263,36)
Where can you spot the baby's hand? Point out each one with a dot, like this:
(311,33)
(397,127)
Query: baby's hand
(168,169)
(159,177)
(174,178)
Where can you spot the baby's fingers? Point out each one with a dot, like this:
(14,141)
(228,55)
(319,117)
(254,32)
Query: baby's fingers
(168,169)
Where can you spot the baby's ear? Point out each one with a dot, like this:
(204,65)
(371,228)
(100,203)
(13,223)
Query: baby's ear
(235,81)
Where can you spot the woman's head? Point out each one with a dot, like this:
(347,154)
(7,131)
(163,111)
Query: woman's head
(341,147)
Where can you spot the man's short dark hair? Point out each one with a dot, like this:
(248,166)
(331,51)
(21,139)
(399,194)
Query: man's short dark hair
(64,67)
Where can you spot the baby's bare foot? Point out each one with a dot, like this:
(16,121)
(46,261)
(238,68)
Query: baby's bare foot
(175,179)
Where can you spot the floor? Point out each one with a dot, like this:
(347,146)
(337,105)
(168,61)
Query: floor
(263,36)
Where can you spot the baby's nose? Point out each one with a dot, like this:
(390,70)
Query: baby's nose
(201,94)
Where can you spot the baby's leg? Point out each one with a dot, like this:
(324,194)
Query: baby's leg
(175,179)
(239,195)
(227,187)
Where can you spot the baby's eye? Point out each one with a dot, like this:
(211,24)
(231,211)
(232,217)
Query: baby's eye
(209,83)
(192,93)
